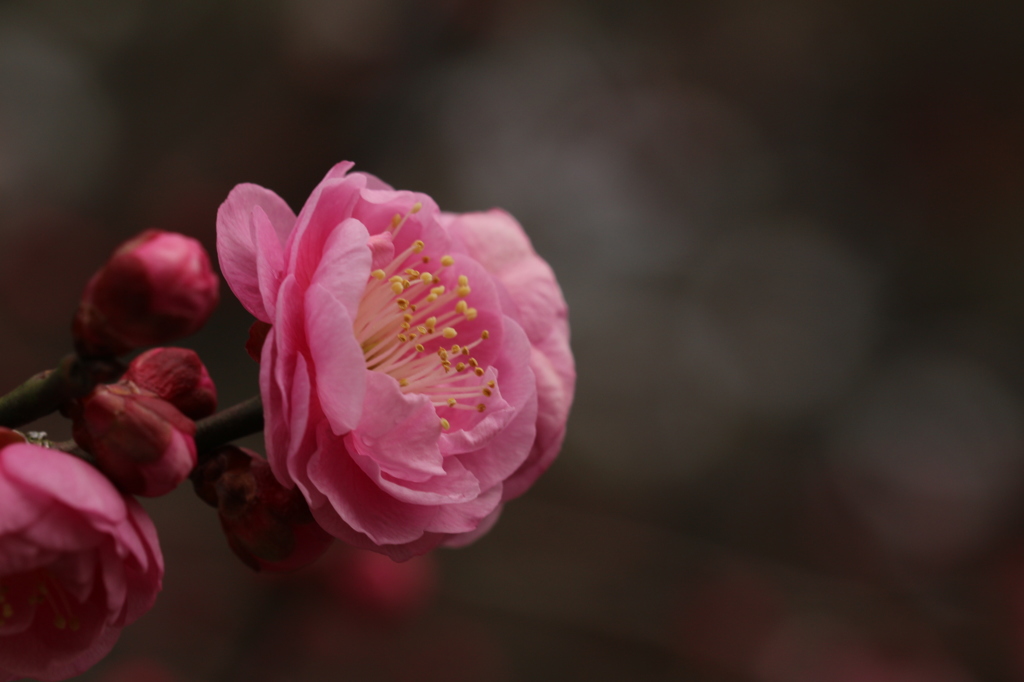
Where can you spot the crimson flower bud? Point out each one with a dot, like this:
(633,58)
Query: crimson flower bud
(268,526)
(140,441)
(178,376)
(156,287)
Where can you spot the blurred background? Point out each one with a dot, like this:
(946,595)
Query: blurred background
(791,235)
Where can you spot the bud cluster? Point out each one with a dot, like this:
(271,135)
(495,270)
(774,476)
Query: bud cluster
(268,526)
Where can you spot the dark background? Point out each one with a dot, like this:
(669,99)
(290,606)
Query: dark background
(790,235)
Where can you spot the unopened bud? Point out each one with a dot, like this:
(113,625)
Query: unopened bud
(268,526)
(141,442)
(178,376)
(155,288)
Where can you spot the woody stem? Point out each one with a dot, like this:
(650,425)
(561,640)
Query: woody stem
(243,419)
(73,377)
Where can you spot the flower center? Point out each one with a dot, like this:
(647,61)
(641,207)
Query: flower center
(405,319)
(43,589)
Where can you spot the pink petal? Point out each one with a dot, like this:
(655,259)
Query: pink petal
(354,502)
(18,507)
(382,249)
(373,182)
(330,203)
(494,238)
(269,261)
(507,450)
(553,365)
(236,247)
(454,485)
(345,265)
(531,285)
(67,479)
(485,525)
(466,517)
(398,431)
(338,362)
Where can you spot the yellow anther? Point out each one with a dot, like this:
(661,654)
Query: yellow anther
(452,402)
(430,321)
(471,314)
(416,207)
(485,334)
(403,382)
(406,326)
(402,303)
(407,317)
(395,219)
(462,292)
(419,347)
(461,307)
(487,392)
(473,362)
(456,349)
(417,246)
(431,298)
(447,261)
(423,330)
(437,291)
(403,338)
(461,367)
(463,281)
(426,278)
(426,259)
(442,353)
(491,383)
(479,371)
(412,273)
(396,278)
(377,274)
(437,280)
(397,287)
(481,407)
(449,333)
(444,424)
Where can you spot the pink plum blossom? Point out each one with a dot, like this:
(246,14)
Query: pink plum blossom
(417,373)
(78,562)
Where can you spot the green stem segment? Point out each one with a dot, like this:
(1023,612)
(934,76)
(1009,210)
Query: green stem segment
(47,391)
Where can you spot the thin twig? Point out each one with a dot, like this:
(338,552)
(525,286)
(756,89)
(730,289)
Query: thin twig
(238,421)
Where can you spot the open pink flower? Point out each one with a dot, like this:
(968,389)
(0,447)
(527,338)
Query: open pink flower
(407,358)
(78,562)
